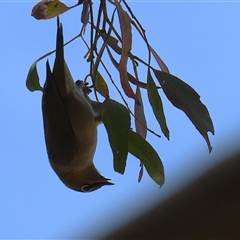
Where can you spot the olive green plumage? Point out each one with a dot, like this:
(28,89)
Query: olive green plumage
(70,122)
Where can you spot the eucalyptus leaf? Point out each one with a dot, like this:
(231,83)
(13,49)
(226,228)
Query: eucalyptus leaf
(101,85)
(47,9)
(156,103)
(140,119)
(32,81)
(116,119)
(85,13)
(142,150)
(126,33)
(131,78)
(160,62)
(184,97)
(112,42)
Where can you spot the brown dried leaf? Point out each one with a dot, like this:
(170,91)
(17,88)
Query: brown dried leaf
(131,78)
(126,32)
(47,9)
(160,62)
(85,14)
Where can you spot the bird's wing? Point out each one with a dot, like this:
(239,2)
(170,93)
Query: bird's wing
(59,135)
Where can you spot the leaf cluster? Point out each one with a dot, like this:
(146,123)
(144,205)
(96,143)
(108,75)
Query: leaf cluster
(115,116)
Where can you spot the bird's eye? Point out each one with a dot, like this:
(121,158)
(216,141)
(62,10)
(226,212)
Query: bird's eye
(86,188)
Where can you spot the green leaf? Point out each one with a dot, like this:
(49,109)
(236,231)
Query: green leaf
(101,85)
(184,97)
(140,119)
(142,150)
(156,103)
(32,81)
(116,119)
(112,42)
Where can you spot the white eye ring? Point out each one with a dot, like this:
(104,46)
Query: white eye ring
(86,188)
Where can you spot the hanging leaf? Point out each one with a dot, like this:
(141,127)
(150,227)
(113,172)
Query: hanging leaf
(140,175)
(111,41)
(142,150)
(47,9)
(32,81)
(131,78)
(85,13)
(160,62)
(116,119)
(184,97)
(125,26)
(156,103)
(140,120)
(101,85)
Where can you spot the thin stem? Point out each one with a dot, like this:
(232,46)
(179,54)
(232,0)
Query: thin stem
(141,33)
(125,102)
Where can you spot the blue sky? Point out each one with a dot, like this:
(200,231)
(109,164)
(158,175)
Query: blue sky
(200,43)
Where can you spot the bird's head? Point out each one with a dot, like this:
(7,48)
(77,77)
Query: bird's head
(84,180)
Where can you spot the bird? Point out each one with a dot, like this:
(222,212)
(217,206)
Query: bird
(70,120)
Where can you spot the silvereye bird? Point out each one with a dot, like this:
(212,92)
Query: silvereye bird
(70,122)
